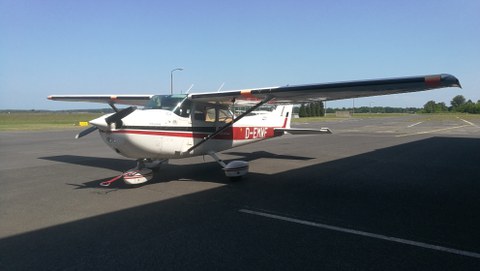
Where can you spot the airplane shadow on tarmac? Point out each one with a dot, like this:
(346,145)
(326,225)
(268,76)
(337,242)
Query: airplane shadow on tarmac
(168,172)
(426,190)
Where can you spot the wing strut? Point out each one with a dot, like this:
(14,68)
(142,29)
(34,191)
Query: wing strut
(228,125)
(112,105)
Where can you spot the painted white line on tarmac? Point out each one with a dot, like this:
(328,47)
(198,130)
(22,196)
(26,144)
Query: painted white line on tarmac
(365,234)
(471,123)
(415,124)
(433,131)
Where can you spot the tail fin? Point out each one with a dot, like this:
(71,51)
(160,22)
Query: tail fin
(286,112)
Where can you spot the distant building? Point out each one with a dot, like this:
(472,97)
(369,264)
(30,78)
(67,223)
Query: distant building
(343,114)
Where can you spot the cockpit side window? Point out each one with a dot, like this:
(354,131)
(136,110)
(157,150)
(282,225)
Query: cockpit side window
(184,109)
(212,113)
(209,114)
(224,115)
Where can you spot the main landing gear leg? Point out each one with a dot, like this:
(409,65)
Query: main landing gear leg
(217,159)
(234,170)
(155,164)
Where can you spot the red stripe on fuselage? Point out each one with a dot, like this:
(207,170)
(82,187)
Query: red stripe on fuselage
(239,133)
(160,133)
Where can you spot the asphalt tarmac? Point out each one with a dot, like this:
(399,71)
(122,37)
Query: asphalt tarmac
(398,193)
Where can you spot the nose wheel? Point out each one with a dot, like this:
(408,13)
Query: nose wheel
(137,176)
(142,173)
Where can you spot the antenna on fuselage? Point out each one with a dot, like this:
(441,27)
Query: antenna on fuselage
(188,90)
(223,84)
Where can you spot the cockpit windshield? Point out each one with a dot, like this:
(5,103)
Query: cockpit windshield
(166,102)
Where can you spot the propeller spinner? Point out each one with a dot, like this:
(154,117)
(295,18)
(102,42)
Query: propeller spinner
(103,123)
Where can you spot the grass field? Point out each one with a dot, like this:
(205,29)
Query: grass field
(41,121)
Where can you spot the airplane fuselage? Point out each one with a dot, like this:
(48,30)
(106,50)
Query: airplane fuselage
(163,134)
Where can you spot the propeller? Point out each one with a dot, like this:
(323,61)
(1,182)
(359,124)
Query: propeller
(86,132)
(118,116)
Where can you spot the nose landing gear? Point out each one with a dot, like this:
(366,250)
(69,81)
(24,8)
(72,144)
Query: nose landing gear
(138,175)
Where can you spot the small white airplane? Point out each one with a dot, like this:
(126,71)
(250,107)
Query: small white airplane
(185,125)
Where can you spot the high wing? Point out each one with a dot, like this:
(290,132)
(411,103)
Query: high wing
(330,91)
(139,100)
(291,94)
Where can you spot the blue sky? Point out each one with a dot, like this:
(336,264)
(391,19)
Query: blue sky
(130,47)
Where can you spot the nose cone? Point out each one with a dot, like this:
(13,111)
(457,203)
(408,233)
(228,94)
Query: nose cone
(100,123)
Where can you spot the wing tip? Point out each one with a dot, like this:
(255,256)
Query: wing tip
(450,80)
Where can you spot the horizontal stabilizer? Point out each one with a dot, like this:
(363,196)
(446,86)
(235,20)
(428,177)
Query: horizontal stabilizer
(299,131)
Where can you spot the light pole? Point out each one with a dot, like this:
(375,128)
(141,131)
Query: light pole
(171,79)
(353,109)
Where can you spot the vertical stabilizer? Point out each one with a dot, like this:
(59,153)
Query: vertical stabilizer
(285,112)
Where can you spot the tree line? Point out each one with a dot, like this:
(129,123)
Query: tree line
(315,109)
(376,109)
(457,104)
